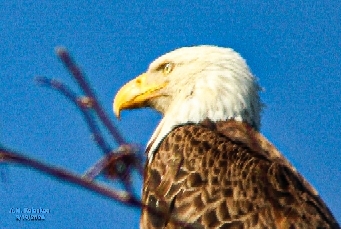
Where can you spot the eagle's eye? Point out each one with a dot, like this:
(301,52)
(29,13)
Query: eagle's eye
(167,68)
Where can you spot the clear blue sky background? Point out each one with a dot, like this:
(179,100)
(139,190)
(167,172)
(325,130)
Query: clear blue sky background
(294,48)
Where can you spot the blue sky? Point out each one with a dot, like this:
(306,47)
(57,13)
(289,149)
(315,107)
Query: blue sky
(292,47)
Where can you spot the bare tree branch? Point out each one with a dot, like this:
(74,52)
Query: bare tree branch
(83,106)
(83,83)
(7,156)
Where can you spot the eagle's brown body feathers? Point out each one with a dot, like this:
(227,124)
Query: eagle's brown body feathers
(227,175)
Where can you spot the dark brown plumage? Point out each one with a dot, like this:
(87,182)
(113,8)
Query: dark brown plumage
(227,175)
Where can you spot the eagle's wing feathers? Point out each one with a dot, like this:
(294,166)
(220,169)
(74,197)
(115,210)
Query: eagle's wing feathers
(223,175)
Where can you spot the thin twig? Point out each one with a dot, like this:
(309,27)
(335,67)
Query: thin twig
(109,160)
(82,82)
(86,112)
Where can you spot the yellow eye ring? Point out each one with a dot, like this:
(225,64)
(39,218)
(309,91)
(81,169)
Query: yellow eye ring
(167,68)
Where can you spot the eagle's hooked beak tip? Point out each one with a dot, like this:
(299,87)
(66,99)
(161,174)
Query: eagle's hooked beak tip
(118,117)
(117,111)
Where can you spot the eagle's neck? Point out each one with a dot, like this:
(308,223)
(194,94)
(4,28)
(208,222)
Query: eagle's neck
(229,96)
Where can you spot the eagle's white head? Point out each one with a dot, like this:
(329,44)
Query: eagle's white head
(191,84)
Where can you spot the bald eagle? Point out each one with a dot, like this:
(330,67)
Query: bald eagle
(208,166)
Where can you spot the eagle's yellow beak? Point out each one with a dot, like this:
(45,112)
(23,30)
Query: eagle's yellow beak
(135,94)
